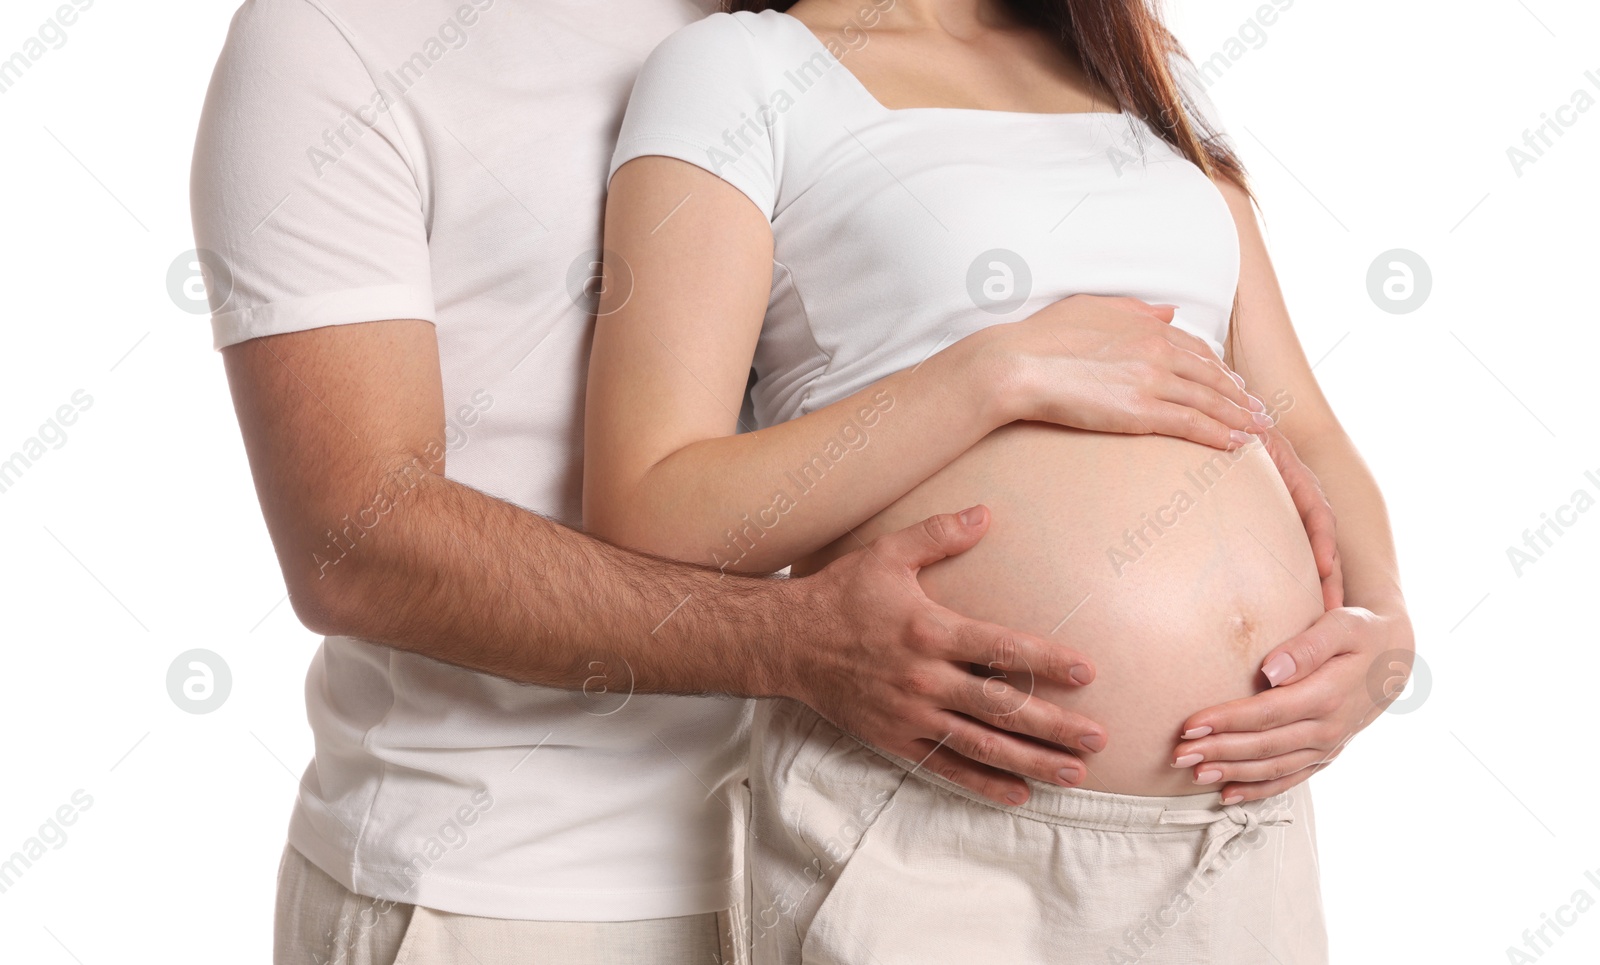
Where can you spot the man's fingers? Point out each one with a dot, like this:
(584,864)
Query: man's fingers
(1000,648)
(933,539)
(995,701)
(997,786)
(1007,752)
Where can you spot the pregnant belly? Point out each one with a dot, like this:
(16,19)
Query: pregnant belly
(1173,566)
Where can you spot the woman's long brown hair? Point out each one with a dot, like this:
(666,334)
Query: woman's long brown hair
(1124,47)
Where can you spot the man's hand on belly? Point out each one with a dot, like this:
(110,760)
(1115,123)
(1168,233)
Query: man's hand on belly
(892,668)
(1329,683)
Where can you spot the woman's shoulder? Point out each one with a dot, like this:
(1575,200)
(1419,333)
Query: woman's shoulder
(744,42)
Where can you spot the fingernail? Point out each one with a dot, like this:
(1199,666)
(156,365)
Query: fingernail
(1208,776)
(1080,674)
(1236,377)
(1188,760)
(1233,798)
(1067,775)
(1016,797)
(969,517)
(1256,405)
(1261,419)
(1094,742)
(1195,733)
(1279,668)
(1239,438)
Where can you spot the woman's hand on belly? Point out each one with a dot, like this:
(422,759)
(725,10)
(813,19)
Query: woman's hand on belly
(1118,365)
(1329,683)
(1173,567)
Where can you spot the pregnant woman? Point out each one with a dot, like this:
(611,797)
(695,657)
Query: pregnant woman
(933,229)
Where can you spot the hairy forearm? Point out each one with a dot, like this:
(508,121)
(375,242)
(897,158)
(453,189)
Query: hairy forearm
(457,575)
(764,499)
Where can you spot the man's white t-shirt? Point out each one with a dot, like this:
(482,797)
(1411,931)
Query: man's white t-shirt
(445,160)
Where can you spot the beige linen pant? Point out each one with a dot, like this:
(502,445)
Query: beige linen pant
(320,922)
(859,857)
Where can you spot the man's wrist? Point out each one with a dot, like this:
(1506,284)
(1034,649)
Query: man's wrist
(779,668)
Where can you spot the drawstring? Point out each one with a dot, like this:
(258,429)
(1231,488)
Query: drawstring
(1228,823)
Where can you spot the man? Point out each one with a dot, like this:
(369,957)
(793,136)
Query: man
(401,206)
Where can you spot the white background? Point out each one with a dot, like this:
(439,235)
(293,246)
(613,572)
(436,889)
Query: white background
(1368,125)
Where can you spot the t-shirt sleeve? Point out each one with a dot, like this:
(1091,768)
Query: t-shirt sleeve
(1202,110)
(702,97)
(302,193)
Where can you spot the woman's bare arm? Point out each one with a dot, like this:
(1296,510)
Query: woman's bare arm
(664,470)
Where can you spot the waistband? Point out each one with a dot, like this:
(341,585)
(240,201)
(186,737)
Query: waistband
(1134,813)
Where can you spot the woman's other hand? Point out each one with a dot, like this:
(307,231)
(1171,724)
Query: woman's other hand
(1329,683)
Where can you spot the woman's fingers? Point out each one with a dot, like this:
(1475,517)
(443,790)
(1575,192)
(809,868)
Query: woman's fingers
(1303,735)
(1209,775)
(1182,390)
(1241,791)
(1205,370)
(1268,710)
(1191,343)
(1187,422)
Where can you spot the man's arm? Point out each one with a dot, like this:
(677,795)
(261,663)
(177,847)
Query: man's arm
(345,419)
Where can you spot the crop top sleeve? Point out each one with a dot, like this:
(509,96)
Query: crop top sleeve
(706,96)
